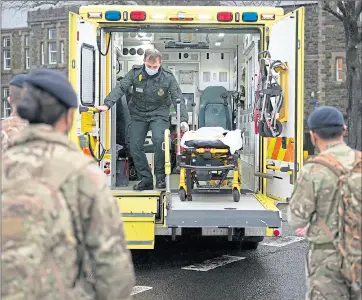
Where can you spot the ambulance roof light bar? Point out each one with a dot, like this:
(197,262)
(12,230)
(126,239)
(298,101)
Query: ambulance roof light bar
(138,15)
(181,16)
(225,16)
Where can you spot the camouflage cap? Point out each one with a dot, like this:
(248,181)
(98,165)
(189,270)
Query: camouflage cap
(18,80)
(55,83)
(325,117)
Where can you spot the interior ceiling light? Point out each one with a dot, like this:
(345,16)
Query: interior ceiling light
(217,44)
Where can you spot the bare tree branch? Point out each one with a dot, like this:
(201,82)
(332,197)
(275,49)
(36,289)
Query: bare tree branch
(327,8)
(358,9)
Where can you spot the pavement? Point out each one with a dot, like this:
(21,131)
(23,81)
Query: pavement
(211,269)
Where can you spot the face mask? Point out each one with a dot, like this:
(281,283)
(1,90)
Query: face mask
(151,71)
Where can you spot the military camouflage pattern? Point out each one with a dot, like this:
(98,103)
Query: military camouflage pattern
(82,220)
(313,195)
(10,128)
(152,95)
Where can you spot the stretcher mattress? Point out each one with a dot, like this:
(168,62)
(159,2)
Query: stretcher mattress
(213,137)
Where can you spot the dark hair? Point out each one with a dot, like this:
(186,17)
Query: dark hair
(38,106)
(329,133)
(152,55)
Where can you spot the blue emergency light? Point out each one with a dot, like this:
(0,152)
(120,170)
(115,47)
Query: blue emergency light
(113,15)
(250,17)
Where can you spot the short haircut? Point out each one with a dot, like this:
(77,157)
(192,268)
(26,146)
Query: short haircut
(14,94)
(329,133)
(153,55)
(39,107)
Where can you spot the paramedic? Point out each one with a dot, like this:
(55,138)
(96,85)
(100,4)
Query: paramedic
(154,89)
(76,239)
(14,124)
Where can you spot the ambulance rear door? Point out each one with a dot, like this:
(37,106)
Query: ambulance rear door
(84,75)
(284,154)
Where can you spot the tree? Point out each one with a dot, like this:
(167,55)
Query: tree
(31,4)
(349,13)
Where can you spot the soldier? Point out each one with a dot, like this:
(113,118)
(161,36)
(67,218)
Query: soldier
(316,198)
(75,237)
(153,87)
(12,125)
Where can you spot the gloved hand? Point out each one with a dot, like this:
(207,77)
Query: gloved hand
(184,126)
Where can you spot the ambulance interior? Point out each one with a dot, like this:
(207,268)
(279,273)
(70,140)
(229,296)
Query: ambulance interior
(199,59)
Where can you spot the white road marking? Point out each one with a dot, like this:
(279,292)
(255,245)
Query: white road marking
(284,241)
(210,264)
(140,289)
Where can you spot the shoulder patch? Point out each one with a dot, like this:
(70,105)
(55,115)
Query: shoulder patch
(167,70)
(137,67)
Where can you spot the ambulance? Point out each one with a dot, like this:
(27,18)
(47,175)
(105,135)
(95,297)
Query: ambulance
(202,46)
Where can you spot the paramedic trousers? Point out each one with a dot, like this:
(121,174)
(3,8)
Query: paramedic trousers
(138,134)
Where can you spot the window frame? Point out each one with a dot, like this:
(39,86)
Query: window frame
(27,58)
(49,33)
(7,59)
(50,62)
(339,69)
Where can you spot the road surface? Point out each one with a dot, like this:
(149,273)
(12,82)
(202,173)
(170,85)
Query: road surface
(207,269)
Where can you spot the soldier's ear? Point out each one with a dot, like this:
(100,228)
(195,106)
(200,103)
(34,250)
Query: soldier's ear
(9,100)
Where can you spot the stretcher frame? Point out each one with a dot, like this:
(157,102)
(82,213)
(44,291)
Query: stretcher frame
(187,170)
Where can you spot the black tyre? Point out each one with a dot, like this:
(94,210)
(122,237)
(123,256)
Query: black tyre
(182,194)
(249,245)
(278,129)
(261,128)
(236,195)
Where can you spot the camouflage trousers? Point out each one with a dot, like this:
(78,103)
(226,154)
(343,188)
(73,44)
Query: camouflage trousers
(324,278)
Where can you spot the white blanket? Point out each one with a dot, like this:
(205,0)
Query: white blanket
(232,139)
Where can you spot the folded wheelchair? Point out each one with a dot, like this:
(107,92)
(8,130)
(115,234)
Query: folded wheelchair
(209,158)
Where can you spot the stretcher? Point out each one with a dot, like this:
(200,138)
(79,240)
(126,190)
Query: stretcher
(209,154)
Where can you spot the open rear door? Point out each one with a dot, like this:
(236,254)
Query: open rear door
(84,76)
(284,154)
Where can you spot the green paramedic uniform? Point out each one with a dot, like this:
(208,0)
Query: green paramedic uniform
(150,109)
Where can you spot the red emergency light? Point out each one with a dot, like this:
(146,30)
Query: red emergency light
(138,16)
(224,16)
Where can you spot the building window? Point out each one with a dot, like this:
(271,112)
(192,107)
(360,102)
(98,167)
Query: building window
(42,58)
(7,53)
(52,34)
(62,52)
(339,69)
(7,60)
(26,42)
(27,58)
(6,105)
(52,54)
(7,42)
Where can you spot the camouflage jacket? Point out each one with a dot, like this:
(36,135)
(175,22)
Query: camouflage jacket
(312,195)
(152,95)
(10,128)
(107,269)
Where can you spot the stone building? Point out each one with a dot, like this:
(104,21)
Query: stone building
(45,43)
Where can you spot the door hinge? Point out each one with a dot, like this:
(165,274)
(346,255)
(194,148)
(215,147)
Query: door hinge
(298,44)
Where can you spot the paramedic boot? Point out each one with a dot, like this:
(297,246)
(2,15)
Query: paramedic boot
(143,186)
(160,183)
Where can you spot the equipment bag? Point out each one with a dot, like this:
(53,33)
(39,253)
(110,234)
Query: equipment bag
(348,240)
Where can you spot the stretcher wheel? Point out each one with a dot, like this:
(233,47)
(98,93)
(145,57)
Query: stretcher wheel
(278,128)
(182,194)
(236,195)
